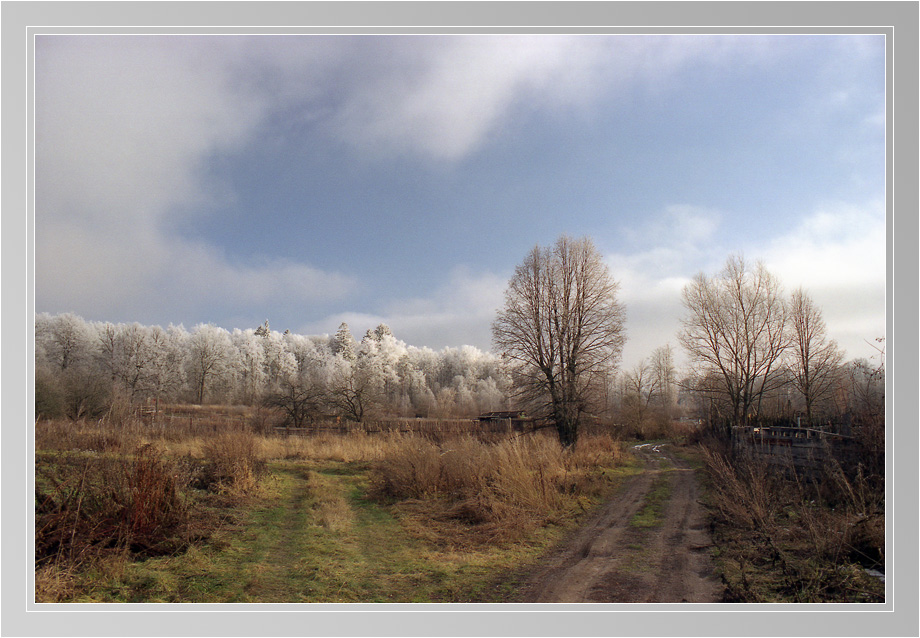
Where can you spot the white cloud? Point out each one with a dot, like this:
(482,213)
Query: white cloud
(838,255)
(460,311)
(444,97)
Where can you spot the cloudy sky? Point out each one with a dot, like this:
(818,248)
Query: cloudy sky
(310,180)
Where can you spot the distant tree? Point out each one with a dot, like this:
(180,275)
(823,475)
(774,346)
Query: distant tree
(209,358)
(138,356)
(300,400)
(814,362)
(353,390)
(344,344)
(735,333)
(382,331)
(560,329)
(263,330)
(165,373)
(71,341)
(252,369)
(639,389)
(664,378)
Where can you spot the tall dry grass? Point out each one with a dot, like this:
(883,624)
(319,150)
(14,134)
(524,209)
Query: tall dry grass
(234,463)
(486,489)
(501,490)
(90,504)
(784,538)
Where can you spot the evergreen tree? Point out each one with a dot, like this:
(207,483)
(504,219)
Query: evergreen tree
(343,344)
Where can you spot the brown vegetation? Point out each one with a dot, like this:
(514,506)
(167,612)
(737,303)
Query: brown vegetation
(480,492)
(109,492)
(782,538)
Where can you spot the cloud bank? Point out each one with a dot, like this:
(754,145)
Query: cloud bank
(127,128)
(836,254)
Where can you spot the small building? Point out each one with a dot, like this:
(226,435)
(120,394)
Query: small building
(515,420)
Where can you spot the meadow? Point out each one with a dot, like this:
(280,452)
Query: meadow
(216,509)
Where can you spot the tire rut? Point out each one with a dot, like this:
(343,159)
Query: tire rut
(611,560)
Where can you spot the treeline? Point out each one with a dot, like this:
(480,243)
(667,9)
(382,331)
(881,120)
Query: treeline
(83,367)
(755,356)
(759,354)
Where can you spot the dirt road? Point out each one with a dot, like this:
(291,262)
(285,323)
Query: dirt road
(649,544)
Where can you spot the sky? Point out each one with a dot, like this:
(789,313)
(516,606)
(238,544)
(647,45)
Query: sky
(310,180)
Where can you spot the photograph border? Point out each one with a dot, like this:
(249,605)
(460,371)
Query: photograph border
(898,616)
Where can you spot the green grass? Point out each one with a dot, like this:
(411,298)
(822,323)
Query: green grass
(651,513)
(276,550)
(312,534)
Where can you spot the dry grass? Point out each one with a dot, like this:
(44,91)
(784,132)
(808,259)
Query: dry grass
(234,463)
(92,504)
(464,490)
(353,447)
(330,509)
(784,539)
(109,490)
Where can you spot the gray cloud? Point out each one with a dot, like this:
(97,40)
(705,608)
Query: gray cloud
(124,128)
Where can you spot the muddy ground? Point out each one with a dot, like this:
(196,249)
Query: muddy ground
(619,558)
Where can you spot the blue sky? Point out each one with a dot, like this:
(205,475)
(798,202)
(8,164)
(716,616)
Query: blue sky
(312,180)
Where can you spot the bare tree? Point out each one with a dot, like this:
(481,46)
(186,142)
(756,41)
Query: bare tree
(637,394)
(663,374)
(299,399)
(354,391)
(735,333)
(560,329)
(815,361)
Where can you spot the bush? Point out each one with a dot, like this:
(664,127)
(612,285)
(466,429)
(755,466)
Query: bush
(233,463)
(88,505)
(782,538)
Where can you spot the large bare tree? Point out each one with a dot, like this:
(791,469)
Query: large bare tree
(560,330)
(735,333)
(815,360)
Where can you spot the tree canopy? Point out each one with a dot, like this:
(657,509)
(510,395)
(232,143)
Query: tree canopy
(560,331)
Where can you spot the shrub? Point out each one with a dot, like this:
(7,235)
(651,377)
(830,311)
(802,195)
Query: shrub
(87,505)
(233,463)
(783,538)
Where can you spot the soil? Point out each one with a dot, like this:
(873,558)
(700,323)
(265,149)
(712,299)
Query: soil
(612,559)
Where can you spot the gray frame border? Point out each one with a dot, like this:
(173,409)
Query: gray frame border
(896,617)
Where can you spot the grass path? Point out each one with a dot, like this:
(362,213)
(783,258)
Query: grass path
(313,536)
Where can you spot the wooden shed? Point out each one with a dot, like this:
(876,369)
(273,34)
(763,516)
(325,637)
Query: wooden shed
(515,420)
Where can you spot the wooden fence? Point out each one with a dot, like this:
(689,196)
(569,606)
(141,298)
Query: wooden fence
(439,427)
(805,449)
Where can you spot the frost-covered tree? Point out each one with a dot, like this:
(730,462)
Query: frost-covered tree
(343,343)
(209,359)
(381,375)
(251,372)
(165,373)
(70,341)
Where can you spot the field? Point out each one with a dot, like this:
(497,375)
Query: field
(208,510)
(213,506)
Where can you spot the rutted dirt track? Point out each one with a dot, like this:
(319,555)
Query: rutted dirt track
(616,559)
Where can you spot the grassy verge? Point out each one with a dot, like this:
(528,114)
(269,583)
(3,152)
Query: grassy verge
(316,537)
